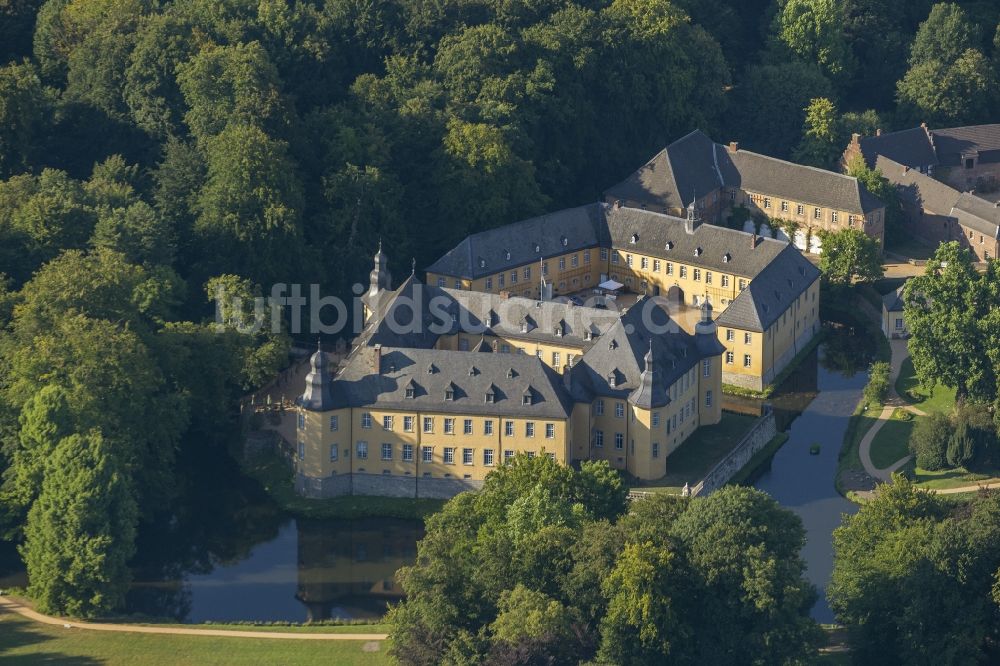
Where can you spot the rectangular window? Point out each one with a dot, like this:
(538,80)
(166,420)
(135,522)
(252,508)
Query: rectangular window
(729,358)
(574,261)
(334,424)
(784,206)
(428,424)
(500,281)
(467,457)
(488,457)
(670,268)
(656,449)
(767,202)
(656,419)
(684,271)
(362,451)
(366,420)
(407,452)
(507,454)
(743,284)
(730,335)
(628,259)
(302,450)
(599,407)
(697,275)
(467,427)
(449,426)
(527,273)
(489,284)
(706,367)
(508,428)
(441,282)
(408,424)
(302,421)
(817,213)
(555,360)
(746,361)
(562,263)
(529,429)
(458,284)
(427,454)
(708,398)
(550,430)
(747,337)
(619,441)
(513,277)
(656,265)
(644,263)
(387,452)
(604,254)
(800,209)
(833,216)
(488,427)
(449,455)
(708,277)
(599,438)
(725,280)
(334,453)
(386,423)
(899,322)
(620,410)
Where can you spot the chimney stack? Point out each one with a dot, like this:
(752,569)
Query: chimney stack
(855,138)
(618,204)
(377,360)
(753,241)
(734,146)
(906,169)
(878,132)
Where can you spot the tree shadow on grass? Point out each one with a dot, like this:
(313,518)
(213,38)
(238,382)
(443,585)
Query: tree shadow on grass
(17,633)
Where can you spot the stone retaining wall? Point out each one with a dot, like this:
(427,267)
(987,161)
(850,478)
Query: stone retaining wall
(381,485)
(762,432)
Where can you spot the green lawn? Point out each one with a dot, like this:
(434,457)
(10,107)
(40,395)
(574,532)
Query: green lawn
(946,478)
(850,459)
(939,399)
(890,444)
(701,452)
(25,642)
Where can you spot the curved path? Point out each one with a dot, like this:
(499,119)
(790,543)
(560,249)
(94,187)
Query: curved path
(900,353)
(9,605)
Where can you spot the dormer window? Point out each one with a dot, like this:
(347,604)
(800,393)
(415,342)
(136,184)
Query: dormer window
(588,335)
(538,248)
(482,263)
(449,394)
(409,392)
(524,327)
(612,380)
(490,397)
(613,344)
(565,241)
(431,369)
(697,252)
(472,371)
(669,245)
(634,239)
(526,399)
(506,255)
(726,257)
(510,374)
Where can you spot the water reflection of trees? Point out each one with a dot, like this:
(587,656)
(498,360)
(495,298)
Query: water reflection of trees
(849,349)
(219,517)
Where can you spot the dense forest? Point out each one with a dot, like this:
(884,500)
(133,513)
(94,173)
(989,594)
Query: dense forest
(152,152)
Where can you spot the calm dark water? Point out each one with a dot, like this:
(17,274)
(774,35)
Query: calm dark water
(813,407)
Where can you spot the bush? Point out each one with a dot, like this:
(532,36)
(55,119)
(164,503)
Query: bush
(929,441)
(975,436)
(878,383)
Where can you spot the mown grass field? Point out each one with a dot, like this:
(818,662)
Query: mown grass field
(23,641)
(892,441)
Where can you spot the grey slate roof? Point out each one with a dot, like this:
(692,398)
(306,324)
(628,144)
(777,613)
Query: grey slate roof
(911,147)
(932,195)
(893,301)
(695,166)
(810,185)
(620,353)
(953,141)
(431,373)
(684,169)
(318,396)
(767,296)
(405,318)
(654,231)
(527,241)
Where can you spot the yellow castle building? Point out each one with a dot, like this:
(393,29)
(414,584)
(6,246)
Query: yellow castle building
(443,385)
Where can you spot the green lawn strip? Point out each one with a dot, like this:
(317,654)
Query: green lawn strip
(948,478)
(272,472)
(850,458)
(23,641)
(939,399)
(317,628)
(759,458)
(701,452)
(891,441)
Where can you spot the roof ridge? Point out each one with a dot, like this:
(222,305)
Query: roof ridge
(801,166)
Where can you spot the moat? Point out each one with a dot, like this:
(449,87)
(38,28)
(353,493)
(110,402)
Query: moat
(230,554)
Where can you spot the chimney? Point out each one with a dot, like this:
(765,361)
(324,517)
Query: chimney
(496,346)
(753,241)
(906,169)
(567,377)
(855,139)
(377,360)
(923,126)
(734,146)
(878,132)
(618,204)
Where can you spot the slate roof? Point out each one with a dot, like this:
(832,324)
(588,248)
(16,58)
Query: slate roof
(953,141)
(767,296)
(810,185)
(405,317)
(432,372)
(922,191)
(524,242)
(695,166)
(721,249)
(893,301)
(683,170)
(620,353)
(911,147)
